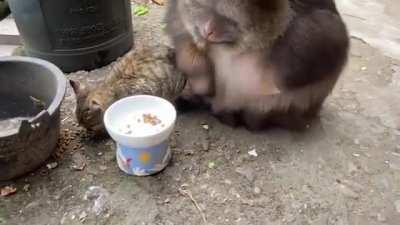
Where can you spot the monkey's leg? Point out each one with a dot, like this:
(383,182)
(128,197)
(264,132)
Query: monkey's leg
(189,101)
(255,121)
(293,122)
(292,118)
(229,118)
(313,111)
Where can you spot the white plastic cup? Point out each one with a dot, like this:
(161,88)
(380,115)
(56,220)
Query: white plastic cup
(141,153)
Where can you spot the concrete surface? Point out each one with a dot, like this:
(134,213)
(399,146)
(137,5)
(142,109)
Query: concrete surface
(8,26)
(345,170)
(375,21)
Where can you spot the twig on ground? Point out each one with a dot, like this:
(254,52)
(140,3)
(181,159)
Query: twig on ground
(187,193)
(353,16)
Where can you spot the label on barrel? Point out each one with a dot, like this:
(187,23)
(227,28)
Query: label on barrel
(78,24)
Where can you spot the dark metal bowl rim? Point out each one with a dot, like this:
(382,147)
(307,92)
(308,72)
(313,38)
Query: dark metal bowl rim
(58,74)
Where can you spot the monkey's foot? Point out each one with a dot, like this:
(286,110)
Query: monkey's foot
(185,104)
(229,118)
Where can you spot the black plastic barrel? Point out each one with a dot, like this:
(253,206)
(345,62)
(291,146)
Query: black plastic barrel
(74,34)
(4,9)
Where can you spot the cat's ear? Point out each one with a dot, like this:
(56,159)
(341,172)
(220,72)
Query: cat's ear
(95,105)
(79,88)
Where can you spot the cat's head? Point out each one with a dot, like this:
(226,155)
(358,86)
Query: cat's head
(90,107)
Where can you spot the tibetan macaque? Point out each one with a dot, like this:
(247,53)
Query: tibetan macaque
(259,62)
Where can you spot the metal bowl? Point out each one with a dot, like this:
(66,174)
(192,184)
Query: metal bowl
(31,92)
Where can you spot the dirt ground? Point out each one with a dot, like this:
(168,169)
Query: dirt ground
(344,170)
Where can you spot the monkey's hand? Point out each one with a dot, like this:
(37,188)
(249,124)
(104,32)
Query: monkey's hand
(197,67)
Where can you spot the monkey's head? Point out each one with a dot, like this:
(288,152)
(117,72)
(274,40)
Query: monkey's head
(244,23)
(90,108)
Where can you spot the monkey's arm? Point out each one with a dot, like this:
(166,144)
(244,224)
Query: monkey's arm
(190,60)
(314,48)
(195,64)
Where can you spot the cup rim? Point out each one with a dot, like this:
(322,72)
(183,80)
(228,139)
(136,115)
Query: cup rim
(106,117)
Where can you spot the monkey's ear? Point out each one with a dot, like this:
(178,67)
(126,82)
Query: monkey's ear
(79,89)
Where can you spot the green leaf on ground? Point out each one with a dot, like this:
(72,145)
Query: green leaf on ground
(141,10)
(211,165)
(163,26)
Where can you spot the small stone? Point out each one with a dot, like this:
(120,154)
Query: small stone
(364,68)
(205,127)
(103,168)
(257,190)
(253,153)
(356,155)
(82,216)
(228,182)
(99,153)
(51,166)
(78,167)
(166,201)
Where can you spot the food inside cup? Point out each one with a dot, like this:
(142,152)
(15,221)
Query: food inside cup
(144,123)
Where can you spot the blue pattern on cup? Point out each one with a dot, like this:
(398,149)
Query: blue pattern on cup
(143,162)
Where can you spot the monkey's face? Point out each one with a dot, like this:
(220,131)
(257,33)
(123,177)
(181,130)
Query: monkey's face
(207,25)
(234,22)
(218,29)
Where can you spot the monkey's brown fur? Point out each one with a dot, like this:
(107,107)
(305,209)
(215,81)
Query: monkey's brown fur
(265,62)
